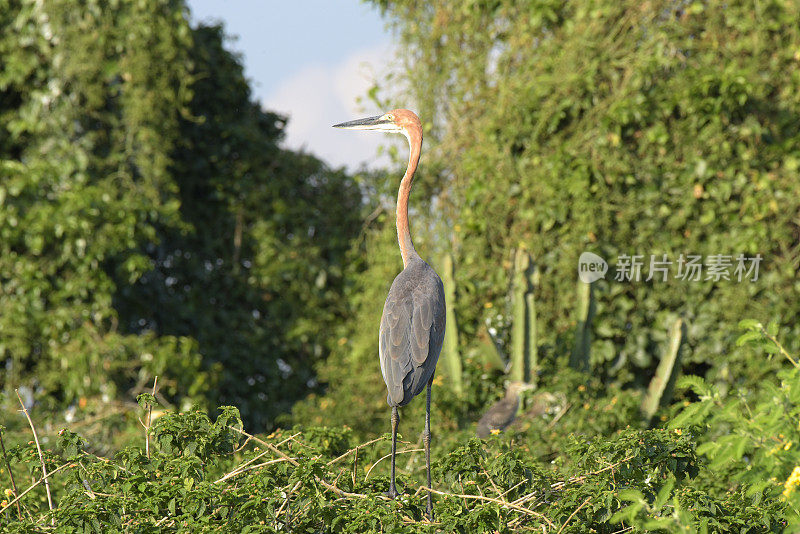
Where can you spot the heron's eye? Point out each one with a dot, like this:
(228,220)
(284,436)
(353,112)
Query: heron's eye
(390,117)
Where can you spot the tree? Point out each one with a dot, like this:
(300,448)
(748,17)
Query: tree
(257,276)
(150,223)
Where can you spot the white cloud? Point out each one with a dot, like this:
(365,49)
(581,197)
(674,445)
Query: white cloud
(317,97)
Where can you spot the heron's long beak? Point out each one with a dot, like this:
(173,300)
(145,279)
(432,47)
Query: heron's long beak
(369,123)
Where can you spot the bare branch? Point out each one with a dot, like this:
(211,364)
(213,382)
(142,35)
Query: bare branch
(246,467)
(573,514)
(355,449)
(504,504)
(406,451)
(280,453)
(41,456)
(43,479)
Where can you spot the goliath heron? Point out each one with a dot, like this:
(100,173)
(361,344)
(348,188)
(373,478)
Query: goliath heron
(412,325)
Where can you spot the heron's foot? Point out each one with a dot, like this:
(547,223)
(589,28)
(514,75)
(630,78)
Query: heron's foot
(392,493)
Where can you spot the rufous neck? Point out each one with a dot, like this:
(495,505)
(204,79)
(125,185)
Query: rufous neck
(403,233)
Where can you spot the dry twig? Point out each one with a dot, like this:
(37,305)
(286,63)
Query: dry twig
(288,496)
(354,449)
(43,479)
(242,469)
(559,416)
(504,504)
(512,488)
(280,453)
(559,485)
(573,514)
(41,456)
(387,456)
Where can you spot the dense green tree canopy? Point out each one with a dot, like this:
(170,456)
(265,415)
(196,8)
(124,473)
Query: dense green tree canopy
(150,224)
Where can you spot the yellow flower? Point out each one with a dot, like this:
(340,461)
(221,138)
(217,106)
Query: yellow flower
(678,431)
(792,482)
(495,431)
(787,446)
(581,388)
(3,504)
(8,492)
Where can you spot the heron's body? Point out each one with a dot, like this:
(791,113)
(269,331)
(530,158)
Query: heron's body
(412,325)
(412,331)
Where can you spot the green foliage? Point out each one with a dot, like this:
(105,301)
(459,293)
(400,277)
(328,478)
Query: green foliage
(750,435)
(149,222)
(210,476)
(618,128)
(89,108)
(572,463)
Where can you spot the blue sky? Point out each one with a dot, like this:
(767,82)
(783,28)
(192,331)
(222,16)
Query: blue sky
(311,60)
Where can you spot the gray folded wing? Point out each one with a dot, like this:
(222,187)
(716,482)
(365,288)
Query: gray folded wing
(411,333)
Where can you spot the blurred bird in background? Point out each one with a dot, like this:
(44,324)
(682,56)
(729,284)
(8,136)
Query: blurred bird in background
(503,412)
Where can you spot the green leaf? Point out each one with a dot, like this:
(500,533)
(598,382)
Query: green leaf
(747,337)
(750,324)
(664,494)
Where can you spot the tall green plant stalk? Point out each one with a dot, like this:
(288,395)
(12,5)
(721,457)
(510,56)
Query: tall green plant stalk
(660,390)
(451,355)
(531,338)
(518,318)
(579,359)
(523,328)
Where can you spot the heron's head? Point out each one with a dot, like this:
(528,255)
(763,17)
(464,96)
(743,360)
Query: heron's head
(396,121)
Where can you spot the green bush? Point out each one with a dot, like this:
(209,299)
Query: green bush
(209,476)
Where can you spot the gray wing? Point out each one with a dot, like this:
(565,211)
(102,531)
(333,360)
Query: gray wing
(411,333)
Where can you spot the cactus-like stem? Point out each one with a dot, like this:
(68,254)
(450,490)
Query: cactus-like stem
(524,343)
(579,359)
(660,390)
(519,324)
(531,337)
(450,348)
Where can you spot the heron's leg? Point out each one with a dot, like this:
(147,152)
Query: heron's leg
(395,420)
(426,438)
